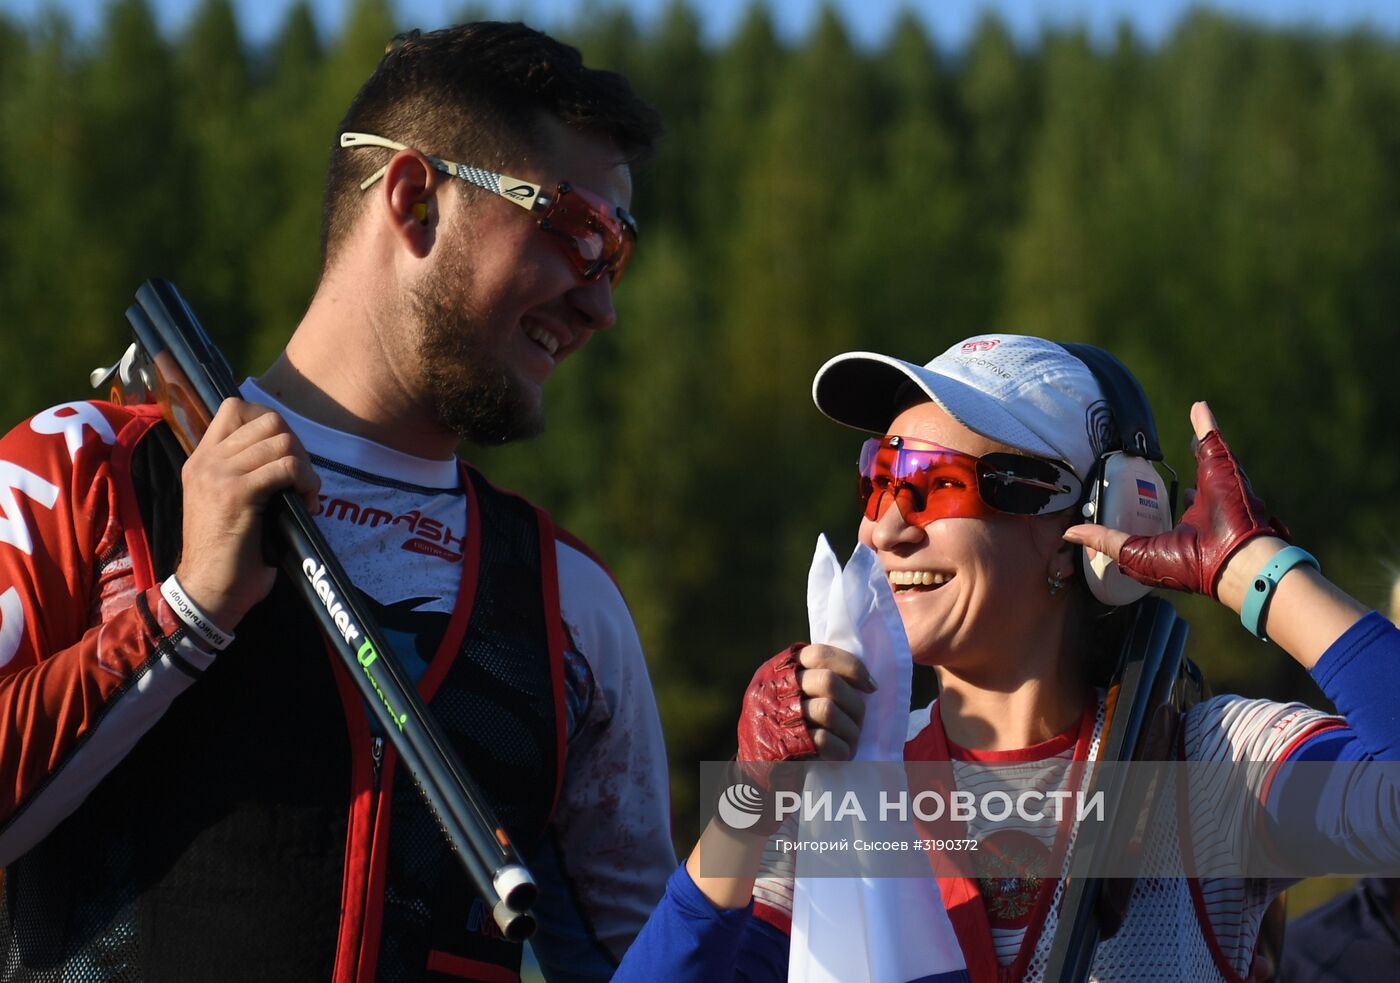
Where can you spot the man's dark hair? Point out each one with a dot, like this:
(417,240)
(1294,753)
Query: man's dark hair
(477,93)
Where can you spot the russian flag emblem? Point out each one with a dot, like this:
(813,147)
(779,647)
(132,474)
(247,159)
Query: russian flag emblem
(1147,489)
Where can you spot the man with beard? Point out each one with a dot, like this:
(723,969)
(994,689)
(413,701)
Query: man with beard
(192,788)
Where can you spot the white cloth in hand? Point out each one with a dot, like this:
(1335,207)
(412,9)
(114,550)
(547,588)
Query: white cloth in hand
(868,929)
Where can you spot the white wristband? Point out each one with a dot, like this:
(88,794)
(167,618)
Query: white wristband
(193,616)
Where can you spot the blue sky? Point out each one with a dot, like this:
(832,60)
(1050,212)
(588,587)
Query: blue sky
(950,21)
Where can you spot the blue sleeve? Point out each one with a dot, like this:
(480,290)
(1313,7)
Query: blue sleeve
(763,954)
(689,940)
(1343,819)
(1358,674)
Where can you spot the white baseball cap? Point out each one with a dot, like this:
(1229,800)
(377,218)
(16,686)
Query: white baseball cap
(1026,392)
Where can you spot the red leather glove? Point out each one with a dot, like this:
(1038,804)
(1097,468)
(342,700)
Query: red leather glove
(771,727)
(1223,517)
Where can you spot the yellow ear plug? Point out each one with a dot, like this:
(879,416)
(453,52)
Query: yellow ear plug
(420,212)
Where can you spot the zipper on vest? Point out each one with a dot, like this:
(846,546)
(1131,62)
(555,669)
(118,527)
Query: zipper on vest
(376,757)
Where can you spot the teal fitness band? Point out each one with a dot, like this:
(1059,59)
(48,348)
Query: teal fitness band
(1261,589)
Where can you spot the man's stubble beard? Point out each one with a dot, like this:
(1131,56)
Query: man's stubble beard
(471,390)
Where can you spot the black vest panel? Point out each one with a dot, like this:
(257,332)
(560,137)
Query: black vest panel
(215,851)
(497,707)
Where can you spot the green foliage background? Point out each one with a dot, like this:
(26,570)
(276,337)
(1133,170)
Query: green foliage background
(1222,210)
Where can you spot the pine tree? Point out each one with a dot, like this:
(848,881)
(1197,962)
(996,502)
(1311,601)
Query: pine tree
(905,241)
(295,127)
(675,76)
(608,37)
(736,102)
(997,114)
(134,203)
(227,205)
(51,338)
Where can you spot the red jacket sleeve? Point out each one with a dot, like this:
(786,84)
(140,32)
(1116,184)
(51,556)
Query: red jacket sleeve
(80,680)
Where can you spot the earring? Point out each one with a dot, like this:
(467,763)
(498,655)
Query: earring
(1056,582)
(420,212)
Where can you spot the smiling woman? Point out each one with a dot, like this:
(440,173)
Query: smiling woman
(986,571)
(973,499)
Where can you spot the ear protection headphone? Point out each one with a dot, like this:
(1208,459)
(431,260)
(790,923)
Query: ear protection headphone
(1123,490)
